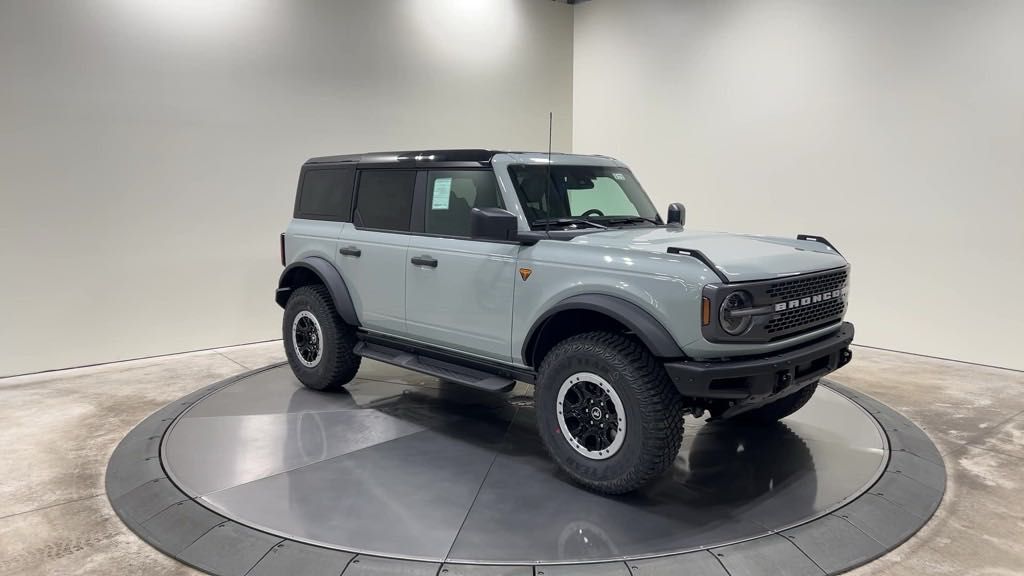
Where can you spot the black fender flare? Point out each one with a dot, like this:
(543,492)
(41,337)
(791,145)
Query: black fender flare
(329,277)
(648,329)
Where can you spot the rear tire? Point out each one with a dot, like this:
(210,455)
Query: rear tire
(779,409)
(318,343)
(619,377)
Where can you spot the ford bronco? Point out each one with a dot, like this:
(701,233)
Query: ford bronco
(485,268)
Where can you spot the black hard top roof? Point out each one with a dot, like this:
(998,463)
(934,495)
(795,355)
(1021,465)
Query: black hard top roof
(413,158)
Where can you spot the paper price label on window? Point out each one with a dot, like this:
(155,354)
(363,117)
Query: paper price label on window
(442,194)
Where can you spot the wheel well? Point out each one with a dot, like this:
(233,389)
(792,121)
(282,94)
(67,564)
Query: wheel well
(296,278)
(566,324)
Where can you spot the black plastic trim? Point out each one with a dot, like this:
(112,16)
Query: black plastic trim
(698,255)
(454,158)
(818,239)
(329,276)
(450,356)
(760,378)
(418,219)
(423,261)
(533,236)
(651,332)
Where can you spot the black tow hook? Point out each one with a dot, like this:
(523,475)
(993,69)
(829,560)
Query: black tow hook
(784,379)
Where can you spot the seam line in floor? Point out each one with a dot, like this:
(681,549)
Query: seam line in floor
(253,567)
(992,451)
(223,355)
(54,505)
(497,452)
(719,560)
(801,550)
(857,528)
(204,495)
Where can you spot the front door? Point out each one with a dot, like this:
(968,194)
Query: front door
(458,291)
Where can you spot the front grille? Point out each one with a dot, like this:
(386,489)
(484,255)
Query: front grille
(791,306)
(800,287)
(806,317)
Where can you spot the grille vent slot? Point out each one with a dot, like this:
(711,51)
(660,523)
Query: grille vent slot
(800,287)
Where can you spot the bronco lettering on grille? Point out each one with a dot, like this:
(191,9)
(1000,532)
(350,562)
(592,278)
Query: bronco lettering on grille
(808,300)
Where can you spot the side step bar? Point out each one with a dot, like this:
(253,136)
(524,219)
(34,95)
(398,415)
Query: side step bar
(434,367)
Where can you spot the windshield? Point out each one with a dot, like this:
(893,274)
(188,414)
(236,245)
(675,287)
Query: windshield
(574,195)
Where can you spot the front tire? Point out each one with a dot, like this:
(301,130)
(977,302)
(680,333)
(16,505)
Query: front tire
(318,343)
(775,411)
(607,412)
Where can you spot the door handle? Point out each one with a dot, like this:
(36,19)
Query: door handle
(424,261)
(351,251)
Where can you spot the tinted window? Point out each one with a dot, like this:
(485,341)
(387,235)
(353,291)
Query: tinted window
(326,194)
(384,199)
(452,195)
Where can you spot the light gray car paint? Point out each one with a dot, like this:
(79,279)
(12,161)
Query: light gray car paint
(376,279)
(465,302)
(475,301)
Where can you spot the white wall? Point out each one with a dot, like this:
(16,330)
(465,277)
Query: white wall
(895,129)
(149,149)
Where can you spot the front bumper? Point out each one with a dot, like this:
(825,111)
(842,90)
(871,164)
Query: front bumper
(766,376)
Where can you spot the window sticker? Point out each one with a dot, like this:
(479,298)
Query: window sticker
(618,176)
(441,197)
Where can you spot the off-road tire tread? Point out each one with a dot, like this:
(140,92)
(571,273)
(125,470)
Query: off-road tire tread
(342,362)
(660,404)
(779,409)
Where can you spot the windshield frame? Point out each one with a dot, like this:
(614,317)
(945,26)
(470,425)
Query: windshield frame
(543,219)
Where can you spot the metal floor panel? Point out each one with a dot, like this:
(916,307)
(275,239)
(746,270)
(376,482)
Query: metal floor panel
(416,475)
(205,453)
(404,498)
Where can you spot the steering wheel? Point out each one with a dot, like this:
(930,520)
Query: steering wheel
(592,212)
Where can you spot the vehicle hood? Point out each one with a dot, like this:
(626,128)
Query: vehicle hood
(739,257)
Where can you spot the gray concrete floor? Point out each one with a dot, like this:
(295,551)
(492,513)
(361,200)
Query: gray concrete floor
(59,428)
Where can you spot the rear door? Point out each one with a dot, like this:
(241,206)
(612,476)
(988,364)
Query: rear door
(458,292)
(371,251)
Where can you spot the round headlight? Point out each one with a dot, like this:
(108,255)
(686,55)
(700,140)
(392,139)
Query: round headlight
(735,325)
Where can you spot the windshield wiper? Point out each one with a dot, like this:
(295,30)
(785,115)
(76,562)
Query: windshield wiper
(630,219)
(567,221)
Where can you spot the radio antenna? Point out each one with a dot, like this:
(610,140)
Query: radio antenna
(547,181)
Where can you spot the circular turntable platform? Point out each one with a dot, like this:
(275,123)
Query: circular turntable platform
(402,473)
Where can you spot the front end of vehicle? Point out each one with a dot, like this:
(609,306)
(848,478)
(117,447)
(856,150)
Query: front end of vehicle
(764,340)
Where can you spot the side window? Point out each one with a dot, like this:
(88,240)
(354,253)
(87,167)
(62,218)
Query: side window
(325,194)
(452,195)
(384,199)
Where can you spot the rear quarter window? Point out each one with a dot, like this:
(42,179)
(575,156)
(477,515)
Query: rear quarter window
(325,194)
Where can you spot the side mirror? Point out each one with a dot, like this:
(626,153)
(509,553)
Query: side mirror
(493,224)
(676,215)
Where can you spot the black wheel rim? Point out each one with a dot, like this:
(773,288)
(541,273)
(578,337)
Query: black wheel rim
(307,338)
(591,415)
